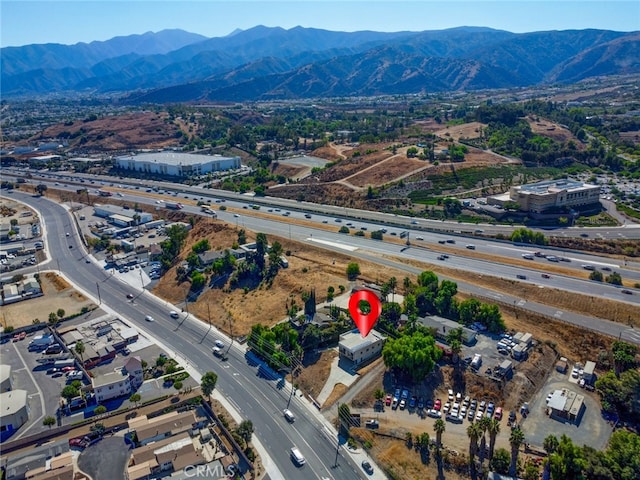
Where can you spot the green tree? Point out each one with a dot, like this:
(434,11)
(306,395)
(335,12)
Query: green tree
(69,392)
(242,236)
(624,355)
(208,383)
(614,278)
(379,394)
(201,246)
(515,440)
(53,318)
(100,410)
(79,349)
(135,398)
(245,430)
(596,275)
(439,427)
(41,188)
(567,461)
(623,454)
(353,270)
(344,229)
(500,461)
(414,353)
(49,421)
(344,416)
(494,430)
(473,431)
(197,281)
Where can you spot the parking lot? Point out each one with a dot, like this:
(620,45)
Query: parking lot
(591,428)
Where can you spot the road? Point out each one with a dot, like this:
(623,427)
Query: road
(253,389)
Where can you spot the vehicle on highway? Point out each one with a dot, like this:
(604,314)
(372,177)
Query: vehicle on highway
(521,277)
(67,234)
(219,344)
(129,296)
(366,466)
(288,414)
(588,267)
(546,275)
(297,457)
(173,314)
(626,292)
(527,256)
(217,351)
(471,247)
(70,246)
(149,318)
(419,238)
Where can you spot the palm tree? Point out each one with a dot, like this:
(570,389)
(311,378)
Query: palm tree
(79,348)
(393,284)
(494,430)
(516,439)
(406,284)
(439,427)
(473,431)
(550,445)
(483,424)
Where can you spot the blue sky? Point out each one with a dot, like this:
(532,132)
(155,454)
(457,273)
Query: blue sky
(24,22)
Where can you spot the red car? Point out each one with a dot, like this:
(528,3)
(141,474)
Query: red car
(68,369)
(437,405)
(387,400)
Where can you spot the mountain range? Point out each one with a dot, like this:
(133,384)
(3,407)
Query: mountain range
(271,63)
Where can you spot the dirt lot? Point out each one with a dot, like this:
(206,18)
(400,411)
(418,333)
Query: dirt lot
(57,294)
(466,130)
(148,129)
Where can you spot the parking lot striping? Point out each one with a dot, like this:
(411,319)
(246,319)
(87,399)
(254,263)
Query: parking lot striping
(42,406)
(329,243)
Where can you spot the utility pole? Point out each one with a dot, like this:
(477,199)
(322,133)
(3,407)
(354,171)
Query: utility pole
(99,298)
(335,464)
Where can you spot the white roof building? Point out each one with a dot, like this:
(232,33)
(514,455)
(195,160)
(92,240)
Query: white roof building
(177,164)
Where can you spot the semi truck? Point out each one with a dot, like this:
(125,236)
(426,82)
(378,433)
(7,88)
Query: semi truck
(173,205)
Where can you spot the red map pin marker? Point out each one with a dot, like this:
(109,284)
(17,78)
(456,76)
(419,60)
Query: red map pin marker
(365,321)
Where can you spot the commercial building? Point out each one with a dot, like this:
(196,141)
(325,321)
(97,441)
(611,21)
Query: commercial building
(6,384)
(177,164)
(111,385)
(566,404)
(550,194)
(15,412)
(120,216)
(442,327)
(361,350)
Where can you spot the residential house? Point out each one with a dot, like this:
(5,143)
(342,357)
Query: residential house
(359,350)
(111,385)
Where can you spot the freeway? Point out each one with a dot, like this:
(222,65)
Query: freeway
(59,180)
(252,388)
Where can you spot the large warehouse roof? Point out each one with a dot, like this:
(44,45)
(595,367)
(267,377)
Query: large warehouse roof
(175,158)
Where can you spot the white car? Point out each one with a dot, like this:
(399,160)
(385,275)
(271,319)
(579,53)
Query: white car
(149,318)
(574,372)
(434,413)
(173,314)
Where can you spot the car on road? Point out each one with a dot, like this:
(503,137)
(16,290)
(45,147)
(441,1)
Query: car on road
(67,234)
(219,344)
(451,240)
(217,351)
(288,414)
(471,247)
(149,318)
(546,275)
(521,277)
(626,292)
(173,314)
(419,238)
(527,256)
(366,466)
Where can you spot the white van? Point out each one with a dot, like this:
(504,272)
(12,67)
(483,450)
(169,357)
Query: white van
(288,414)
(297,457)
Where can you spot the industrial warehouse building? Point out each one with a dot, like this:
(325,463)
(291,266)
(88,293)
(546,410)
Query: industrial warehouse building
(565,405)
(177,164)
(15,412)
(549,194)
(120,216)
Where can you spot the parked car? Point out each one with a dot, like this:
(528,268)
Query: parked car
(366,466)
(372,423)
(433,413)
(387,400)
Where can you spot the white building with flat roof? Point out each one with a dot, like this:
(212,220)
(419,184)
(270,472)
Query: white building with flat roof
(541,196)
(360,350)
(177,164)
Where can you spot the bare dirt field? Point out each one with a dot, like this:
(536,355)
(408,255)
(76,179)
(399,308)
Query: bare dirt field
(142,129)
(553,130)
(386,171)
(466,130)
(57,294)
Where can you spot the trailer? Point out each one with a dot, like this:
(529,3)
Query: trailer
(173,205)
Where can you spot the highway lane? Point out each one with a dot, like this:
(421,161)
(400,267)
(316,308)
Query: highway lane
(453,227)
(258,396)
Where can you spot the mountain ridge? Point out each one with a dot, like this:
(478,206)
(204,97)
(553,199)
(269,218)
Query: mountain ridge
(270,62)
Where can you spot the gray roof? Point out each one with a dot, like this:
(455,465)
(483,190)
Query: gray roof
(12,401)
(174,158)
